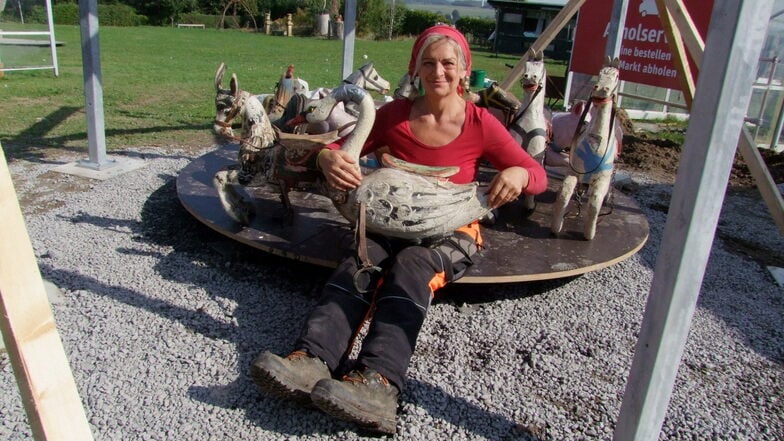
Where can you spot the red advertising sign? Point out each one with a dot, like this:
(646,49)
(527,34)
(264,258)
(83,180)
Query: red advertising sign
(646,57)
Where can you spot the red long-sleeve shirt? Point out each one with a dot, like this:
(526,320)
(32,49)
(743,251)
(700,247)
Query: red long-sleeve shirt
(483,136)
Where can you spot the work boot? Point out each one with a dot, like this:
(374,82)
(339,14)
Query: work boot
(291,378)
(362,397)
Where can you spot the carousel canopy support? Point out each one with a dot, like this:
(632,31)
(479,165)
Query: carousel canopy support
(98,165)
(735,38)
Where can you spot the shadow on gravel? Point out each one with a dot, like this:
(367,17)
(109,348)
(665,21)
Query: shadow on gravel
(460,412)
(166,222)
(745,236)
(35,143)
(469,295)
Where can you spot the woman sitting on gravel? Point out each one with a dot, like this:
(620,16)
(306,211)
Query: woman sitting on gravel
(439,128)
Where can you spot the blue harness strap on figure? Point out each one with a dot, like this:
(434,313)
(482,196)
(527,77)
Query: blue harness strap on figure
(592,162)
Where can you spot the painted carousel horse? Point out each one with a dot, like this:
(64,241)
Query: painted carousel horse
(402,200)
(563,127)
(229,102)
(268,157)
(502,105)
(592,154)
(530,125)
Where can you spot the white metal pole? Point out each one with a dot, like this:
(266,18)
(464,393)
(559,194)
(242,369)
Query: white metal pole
(349,35)
(735,38)
(52,41)
(93,84)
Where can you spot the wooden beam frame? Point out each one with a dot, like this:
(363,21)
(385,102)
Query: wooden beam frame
(734,41)
(678,50)
(42,372)
(681,31)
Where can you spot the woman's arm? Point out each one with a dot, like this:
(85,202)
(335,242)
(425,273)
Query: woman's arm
(339,169)
(519,172)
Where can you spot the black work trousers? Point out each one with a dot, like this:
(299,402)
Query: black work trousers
(397,299)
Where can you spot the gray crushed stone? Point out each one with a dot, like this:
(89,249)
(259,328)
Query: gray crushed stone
(160,317)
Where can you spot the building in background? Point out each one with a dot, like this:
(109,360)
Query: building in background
(519,22)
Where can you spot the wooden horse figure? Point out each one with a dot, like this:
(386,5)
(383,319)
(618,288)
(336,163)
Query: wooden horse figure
(266,157)
(529,127)
(592,154)
(229,102)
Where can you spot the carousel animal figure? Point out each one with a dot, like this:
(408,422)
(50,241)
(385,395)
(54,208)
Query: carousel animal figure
(502,104)
(229,102)
(267,157)
(592,154)
(403,200)
(288,86)
(564,125)
(342,118)
(530,125)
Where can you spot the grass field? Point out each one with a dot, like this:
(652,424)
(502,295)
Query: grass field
(158,82)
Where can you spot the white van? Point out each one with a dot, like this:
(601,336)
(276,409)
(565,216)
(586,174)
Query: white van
(648,7)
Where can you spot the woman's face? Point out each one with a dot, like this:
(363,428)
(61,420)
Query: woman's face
(441,70)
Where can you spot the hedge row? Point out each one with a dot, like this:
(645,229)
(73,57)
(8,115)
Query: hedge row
(68,14)
(412,22)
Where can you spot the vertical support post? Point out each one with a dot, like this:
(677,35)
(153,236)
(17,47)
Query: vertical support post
(735,38)
(52,42)
(93,85)
(349,35)
(615,28)
(774,140)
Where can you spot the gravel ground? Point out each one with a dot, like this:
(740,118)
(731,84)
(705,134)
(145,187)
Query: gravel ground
(160,318)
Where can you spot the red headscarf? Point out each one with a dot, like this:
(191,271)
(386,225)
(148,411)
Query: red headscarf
(440,29)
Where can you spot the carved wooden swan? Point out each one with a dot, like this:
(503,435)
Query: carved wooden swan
(403,200)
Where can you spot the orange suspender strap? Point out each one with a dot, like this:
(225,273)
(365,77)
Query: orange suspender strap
(439,279)
(473,230)
(437,282)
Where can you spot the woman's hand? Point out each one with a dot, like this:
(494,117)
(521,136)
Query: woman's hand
(340,169)
(507,186)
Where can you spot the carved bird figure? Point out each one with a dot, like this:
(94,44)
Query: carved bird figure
(403,200)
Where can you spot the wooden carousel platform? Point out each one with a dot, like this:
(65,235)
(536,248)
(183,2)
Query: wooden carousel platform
(518,248)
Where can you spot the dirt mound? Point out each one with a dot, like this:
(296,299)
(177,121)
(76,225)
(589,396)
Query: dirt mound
(659,157)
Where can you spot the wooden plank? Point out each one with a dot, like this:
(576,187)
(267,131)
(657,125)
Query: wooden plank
(691,37)
(679,58)
(545,38)
(42,372)
(765,183)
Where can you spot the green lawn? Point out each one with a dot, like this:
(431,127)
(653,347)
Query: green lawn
(158,82)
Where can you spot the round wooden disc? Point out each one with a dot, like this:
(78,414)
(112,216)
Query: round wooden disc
(518,248)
